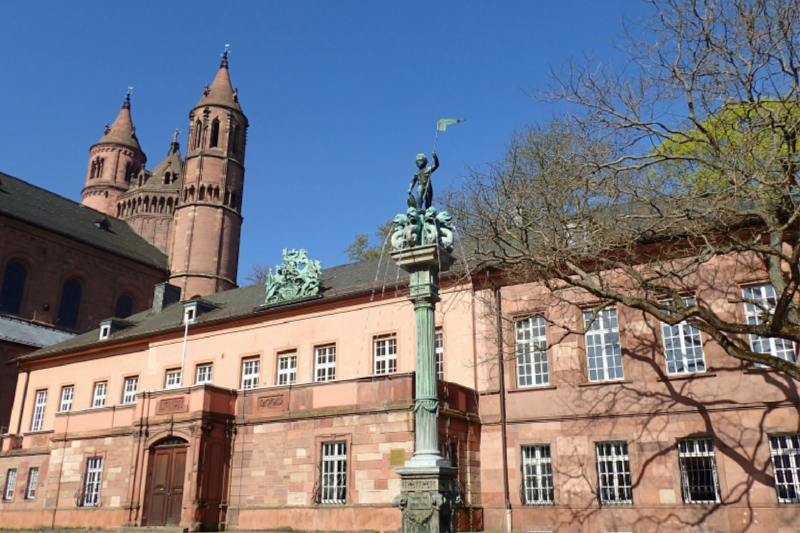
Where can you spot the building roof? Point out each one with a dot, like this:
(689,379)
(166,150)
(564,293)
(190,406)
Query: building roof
(122,130)
(378,276)
(221,91)
(41,208)
(28,333)
(172,163)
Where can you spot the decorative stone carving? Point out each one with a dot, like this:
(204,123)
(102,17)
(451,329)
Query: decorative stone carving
(273,402)
(419,228)
(290,281)
(171,405)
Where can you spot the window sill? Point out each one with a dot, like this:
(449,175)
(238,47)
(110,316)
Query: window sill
(38,432)
(532,388)
(697,375)
(602,383)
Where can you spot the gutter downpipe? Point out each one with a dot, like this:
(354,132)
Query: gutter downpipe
(185,335)
(501,373)
(22,403)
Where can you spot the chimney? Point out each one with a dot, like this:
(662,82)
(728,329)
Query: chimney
(164,296)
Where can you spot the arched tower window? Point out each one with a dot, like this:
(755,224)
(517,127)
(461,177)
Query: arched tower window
(198,129)
(214,141)
(239,143)
(233,140)
(169,205)
(167,178)
(201,194)
(124,307)
(13,286)
(70,304)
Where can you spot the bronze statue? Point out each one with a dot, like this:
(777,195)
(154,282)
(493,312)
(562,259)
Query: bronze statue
(422,178)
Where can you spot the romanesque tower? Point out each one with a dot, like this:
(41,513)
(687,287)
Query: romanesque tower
(115,162)
(207,222)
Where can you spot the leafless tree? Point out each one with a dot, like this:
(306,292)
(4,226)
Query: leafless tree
(670,185)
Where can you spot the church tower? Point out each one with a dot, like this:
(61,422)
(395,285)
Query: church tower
(114,163)
(208,221)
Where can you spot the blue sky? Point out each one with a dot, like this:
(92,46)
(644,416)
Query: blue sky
(340,96)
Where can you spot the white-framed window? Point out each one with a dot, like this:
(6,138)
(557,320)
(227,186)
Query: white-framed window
(325,361)
(189,314)
(204,373)
(603,351)
(765,295)
(699,479)
(682,346)
(537,475)
(38,410)
(385,352)
(100,390)
(438,351)
(67,393)
(287,368)
(785,452)
(11,483)
(105,331)
(334,472)
(173,378)
(251,369)
(130,389)
(91,483)
(532,366)
(33,479)
(614,483)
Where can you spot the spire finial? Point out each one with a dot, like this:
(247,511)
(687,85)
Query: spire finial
(225,57)
(174,148)
(127,103)
(175,136)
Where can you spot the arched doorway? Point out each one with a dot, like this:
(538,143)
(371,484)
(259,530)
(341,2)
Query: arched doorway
(166,475)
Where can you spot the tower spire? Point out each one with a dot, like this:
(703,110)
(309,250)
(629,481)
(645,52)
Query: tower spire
(225,57)
(127,103)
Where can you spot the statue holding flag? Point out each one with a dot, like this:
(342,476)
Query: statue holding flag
(422,177)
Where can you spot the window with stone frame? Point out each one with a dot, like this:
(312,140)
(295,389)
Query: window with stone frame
(204,373)
(70,304)
(537,475)
(385,354)
(603,352)
(173,378)
(287,368)
(251,371)
(614,482)
(333,473)
(92,478)
(33,479)
(785,452)
(13,288)
(759,301)
(38,410)
(325,363)
(683,348)
(699,477)
(67,393)
(11,484)
(438,351)
(99,397)
(130,388)
(532,365)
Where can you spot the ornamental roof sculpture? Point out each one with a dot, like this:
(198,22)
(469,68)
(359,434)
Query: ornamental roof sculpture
(297,277)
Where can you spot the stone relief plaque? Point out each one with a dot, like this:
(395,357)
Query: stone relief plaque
(172,405)
(271,403)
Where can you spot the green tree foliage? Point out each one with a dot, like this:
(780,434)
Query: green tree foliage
(362,249)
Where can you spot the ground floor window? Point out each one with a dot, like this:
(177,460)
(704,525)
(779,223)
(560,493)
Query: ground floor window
(537,475)
(614,473)
(334,472)
(33,479)
(91,482)
(699,480)
(11,483)
(785,451)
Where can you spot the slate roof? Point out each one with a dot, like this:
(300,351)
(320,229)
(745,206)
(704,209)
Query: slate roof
(337,282)
(30,204)
(30,334)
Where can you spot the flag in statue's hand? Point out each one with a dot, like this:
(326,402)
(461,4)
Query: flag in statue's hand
(444,122)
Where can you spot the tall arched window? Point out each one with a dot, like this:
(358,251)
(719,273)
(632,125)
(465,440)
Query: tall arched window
(167,178)
(233,140)
(198,129)
(70,304)
(214,141)
(13,286)
(124,307)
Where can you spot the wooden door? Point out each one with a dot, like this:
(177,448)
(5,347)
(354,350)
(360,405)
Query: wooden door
(165,490)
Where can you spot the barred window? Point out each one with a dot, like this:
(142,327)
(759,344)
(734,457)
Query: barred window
(251,372)
(325,363)
(334,472)
(11,483)
(204,374)
(765,296)
(91,483)
(532,367)
(699,480)
(33,479)
(602,346)
(130,389)
(287,368)
(38,410)
(537,475)
(682,346)
(385,350)
(785,451)
(614,473)
(100,389)
(438,350)
(174,379)
(66,398)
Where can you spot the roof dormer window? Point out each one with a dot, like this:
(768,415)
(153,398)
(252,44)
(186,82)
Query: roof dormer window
(105,331)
